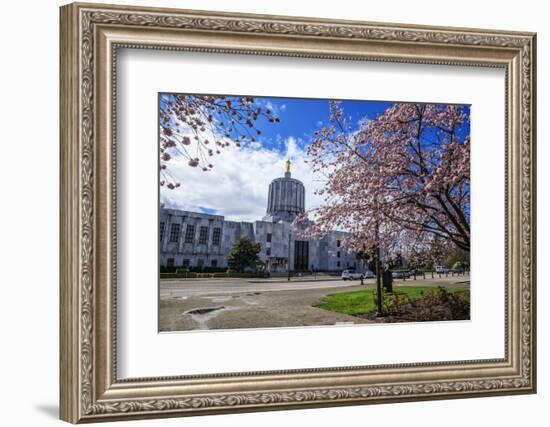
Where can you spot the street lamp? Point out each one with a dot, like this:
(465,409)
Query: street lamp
(379,296)
(288,260)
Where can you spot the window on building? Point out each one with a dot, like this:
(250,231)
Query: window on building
(203,235)
(200,263)
(161,231)
(338,243)
(170,262)
(338,264)
(185,263)
(174,233)
(268,251)
(216,236)
(338,254)
(268,237)
(214,263)
(189,233)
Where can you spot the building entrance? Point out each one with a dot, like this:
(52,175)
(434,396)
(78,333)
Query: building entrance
(301,255)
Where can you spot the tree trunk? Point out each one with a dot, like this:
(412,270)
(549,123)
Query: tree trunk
(378,284)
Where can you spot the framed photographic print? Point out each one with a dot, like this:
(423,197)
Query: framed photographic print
(266,212)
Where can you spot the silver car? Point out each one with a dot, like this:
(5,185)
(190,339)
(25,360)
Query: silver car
(351,275)
(368,275)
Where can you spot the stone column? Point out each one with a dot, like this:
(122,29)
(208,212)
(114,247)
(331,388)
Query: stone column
(181,239)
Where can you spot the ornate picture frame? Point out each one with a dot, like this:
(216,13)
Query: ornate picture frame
(90,37)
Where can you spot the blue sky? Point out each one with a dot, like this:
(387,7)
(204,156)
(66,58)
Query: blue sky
(237,185)
(301,117)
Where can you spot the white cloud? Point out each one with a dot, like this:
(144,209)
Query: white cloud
(238,184)
(292,148)
(275,108)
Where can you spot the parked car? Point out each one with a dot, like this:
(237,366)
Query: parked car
(400,274)
(351,275)
(415,272)
(368,275)
(441,270)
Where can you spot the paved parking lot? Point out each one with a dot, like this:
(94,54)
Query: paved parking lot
(253,303)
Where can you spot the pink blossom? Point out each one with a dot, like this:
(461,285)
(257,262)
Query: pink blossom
(389,185)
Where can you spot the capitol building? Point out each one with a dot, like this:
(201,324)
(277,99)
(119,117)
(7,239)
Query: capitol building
(193,239)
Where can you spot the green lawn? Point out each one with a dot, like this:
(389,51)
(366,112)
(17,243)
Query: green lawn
(362,302)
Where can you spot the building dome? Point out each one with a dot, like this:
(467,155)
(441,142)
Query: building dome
(286,198)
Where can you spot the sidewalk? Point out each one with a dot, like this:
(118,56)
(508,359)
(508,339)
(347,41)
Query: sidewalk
(284,279)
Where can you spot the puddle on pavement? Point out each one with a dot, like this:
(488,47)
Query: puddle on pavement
(202,315)
(203,310)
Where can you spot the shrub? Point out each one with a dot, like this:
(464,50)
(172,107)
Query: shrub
(431,306)
(441,305)
(391,302)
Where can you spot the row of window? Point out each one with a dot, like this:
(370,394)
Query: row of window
(203,235)
(186,263)
(175,231)
(213,263)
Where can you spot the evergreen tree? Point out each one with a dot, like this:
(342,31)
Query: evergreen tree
(244,254)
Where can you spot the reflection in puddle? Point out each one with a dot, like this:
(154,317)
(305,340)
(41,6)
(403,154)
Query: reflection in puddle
(203,310)
(202,315)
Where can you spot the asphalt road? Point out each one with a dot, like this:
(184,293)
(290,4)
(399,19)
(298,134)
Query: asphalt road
(174,288)
(240,303)
(177,288)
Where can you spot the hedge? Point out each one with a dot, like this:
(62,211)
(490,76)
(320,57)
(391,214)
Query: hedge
(185,275)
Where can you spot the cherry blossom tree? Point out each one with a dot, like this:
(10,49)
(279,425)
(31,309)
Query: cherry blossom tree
(398,182)
(429,255)
(198,127)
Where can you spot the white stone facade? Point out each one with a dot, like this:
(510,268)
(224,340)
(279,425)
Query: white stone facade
(192,239)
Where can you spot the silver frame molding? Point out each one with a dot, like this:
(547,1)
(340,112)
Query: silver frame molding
(90,37)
